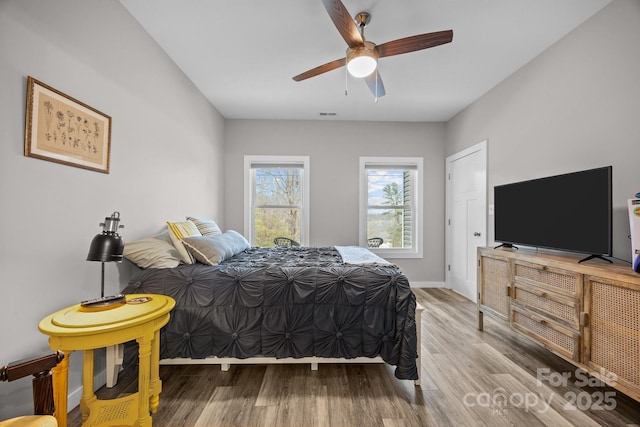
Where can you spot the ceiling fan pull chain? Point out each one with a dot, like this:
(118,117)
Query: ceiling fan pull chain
(346,81)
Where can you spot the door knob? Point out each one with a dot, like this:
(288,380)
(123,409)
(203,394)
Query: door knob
(476,234)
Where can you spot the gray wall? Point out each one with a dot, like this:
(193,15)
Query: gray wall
(575,106)
(334,148)
(166,162)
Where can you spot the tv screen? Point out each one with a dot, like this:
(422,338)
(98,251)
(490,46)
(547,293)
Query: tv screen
(570,212)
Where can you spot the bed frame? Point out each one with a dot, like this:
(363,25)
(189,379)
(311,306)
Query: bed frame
(115,355)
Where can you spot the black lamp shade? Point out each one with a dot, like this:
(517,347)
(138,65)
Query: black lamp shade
(106,247)
(109,245)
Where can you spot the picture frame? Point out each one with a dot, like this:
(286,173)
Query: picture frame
(61,129)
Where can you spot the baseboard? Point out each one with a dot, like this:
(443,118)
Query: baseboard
(465,296)
(428,284)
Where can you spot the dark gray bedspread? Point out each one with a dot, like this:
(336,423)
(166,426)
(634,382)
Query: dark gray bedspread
(286,302)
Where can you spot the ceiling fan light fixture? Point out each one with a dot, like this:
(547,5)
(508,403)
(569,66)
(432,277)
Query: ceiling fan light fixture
(362,60)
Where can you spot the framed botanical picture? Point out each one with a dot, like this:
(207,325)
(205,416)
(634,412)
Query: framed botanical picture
(64,130)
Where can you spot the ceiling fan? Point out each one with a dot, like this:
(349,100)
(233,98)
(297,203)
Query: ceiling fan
(362,55)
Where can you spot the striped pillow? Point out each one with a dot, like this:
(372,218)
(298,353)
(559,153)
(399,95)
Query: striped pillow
(207,227)
(177,232)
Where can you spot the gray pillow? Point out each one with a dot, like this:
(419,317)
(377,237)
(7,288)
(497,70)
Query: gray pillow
(212,250)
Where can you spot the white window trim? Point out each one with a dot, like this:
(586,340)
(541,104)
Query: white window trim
(248,191)
(417,250)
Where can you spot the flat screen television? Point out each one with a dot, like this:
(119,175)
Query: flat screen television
(569,212)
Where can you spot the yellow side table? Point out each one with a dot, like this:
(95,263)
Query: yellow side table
(75,328)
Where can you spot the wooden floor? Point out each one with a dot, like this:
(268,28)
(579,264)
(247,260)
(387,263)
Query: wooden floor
(469,378)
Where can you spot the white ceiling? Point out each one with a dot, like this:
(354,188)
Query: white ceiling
(242,54)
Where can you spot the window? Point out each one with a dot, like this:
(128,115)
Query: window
(390,205)
(276,199)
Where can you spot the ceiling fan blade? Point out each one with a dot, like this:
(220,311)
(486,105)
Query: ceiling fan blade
(344,22)
(413,43)
(321,69)
(374,82)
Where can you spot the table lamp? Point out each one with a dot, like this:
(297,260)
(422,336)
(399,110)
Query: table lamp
(107,246)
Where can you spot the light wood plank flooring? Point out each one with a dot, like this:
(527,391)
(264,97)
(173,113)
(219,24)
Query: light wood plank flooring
(469,378)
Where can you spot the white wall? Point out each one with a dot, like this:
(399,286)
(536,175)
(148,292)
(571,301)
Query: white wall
(334,148)
(166,162)
(576,106)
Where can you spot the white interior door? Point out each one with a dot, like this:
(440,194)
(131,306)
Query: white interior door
(466,217)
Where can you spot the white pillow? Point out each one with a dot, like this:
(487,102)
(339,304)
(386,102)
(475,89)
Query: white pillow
(156,251)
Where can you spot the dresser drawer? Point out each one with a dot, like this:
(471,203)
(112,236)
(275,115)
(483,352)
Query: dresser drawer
(566,282)
(552,335)
(550,304)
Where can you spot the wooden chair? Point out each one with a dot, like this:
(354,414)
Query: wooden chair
(374,242)
(285,242)
(43,399)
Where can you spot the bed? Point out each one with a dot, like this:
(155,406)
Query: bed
(287,305)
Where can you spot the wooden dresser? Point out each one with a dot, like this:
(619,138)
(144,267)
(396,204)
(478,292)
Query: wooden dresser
(588,314)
